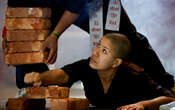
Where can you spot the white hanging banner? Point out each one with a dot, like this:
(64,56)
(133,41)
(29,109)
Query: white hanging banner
(96,22)
(113,15)
(96,19)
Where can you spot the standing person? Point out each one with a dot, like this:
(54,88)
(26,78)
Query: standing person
(108,81)
(68,12)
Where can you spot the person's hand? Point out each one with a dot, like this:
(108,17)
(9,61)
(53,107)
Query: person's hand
(33,78)
(50,44)
(136,106)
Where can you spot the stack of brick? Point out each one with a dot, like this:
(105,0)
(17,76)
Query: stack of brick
(59,100)
(27,28)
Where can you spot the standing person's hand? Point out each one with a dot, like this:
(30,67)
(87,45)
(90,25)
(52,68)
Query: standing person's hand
(51,44)
(33,78)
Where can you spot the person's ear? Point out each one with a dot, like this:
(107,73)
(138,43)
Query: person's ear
(117,62)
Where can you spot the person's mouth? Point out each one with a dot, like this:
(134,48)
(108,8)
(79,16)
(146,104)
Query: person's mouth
(92,60)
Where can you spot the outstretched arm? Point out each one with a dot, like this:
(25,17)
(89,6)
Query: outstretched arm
(48,77)
(148,104)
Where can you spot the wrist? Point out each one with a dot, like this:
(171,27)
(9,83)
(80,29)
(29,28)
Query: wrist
(146,104)
(55,34)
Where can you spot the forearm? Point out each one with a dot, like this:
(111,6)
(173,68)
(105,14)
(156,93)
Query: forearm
(54,77)
(66,20)
(155,103)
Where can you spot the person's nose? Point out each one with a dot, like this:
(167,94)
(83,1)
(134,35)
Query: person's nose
(95,51)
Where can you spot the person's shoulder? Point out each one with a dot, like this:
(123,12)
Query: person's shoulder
(86,60)
(133,68)
(81,62)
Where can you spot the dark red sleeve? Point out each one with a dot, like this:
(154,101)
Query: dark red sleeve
(4,32)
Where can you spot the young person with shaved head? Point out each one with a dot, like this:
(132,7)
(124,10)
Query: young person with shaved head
(109,82)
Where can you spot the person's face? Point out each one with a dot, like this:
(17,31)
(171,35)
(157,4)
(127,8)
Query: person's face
(103,56)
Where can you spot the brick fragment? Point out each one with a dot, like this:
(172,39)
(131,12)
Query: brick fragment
(27,23)
(26,104)
(16,47)
(47,92)
(25,58)
(28,12)
(27,35)
(69,104)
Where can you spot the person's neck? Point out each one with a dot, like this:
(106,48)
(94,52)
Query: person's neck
(107,75)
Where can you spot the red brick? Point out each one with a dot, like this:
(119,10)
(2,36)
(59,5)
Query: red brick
(58,92)
(25,58)
(26,104)
(35,93)
(69,104)
(47,92)
(27,35)
(28,12)
(27,23)
(16,47)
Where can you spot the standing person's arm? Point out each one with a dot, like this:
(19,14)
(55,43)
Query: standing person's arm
(51,42)
(148,104)
(73,9)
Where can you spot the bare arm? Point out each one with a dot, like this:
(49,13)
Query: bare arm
(48,77)
(51,42)
(66,20)
(155,103)
(148,104)
(54,77)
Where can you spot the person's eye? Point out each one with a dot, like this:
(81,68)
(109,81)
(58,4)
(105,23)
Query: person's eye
(105,51)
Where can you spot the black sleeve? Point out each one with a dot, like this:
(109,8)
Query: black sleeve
(76,6)
(156,87)
(76,70)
